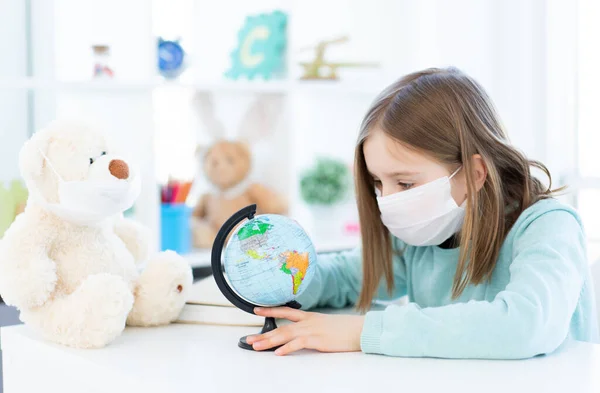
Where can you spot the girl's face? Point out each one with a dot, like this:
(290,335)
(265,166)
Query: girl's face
(396,168)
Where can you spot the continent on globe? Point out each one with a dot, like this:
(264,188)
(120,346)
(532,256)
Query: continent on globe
(255,254)
(253,236)
(296,265)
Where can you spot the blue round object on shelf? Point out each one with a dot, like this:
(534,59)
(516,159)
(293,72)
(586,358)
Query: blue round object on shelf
(170,57)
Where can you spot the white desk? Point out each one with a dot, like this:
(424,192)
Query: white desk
(194,358)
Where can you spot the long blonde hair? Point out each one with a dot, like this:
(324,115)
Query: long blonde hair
(448,116)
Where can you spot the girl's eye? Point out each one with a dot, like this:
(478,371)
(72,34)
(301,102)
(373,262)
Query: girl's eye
(91,161)
(229,160)
(103,153)
(405,186)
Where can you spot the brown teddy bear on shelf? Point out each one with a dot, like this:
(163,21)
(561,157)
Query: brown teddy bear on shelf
(227,165)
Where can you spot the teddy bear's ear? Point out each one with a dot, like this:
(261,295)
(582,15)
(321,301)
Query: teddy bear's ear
(31,156)
(261,118)
(201,150)
(206,112)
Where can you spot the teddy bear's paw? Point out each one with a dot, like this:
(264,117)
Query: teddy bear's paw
(105,301)
(109,300)
(90,317)
(161,291)
(110,293)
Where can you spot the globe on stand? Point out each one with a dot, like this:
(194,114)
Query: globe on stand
(262,261)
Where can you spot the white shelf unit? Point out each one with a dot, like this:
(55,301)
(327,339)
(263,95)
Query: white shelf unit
(318,117)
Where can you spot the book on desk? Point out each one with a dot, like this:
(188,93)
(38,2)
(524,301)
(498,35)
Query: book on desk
(207,305)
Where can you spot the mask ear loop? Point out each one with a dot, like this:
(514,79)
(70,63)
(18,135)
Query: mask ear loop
(50,165)
(455,172)
(452,175)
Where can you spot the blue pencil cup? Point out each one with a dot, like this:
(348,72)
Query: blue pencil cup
(175,230)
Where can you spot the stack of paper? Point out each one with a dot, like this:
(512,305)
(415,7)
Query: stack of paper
(207,305)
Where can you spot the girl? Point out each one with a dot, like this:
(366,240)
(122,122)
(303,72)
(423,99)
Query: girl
(451,216)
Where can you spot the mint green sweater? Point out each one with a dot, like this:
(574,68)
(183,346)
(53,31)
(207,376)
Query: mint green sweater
(540,293)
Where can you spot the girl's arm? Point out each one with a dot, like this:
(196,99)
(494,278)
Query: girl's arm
(531,316)
(338,280)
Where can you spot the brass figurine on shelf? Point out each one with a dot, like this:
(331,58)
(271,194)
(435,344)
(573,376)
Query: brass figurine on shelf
(313,69)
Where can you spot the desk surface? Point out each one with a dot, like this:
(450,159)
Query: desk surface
(200,358)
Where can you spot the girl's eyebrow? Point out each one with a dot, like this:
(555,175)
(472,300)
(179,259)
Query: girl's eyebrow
(403,173)
(394,174)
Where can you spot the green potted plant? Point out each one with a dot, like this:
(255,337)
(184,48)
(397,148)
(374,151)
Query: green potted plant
(325,184)
(325,187)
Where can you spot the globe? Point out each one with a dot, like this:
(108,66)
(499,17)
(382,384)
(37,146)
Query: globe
(269,260)
(262,260)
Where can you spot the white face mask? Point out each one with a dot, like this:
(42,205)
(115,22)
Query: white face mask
(89,202)
(423,216)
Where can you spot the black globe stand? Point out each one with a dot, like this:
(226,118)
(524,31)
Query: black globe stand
(217,270)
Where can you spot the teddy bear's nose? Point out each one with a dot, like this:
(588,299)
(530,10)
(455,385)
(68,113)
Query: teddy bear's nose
(119,169)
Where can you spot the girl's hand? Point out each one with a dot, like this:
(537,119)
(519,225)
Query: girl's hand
(325,333)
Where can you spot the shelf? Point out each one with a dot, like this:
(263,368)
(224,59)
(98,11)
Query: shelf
(339,87)
(259,86)
(124,85)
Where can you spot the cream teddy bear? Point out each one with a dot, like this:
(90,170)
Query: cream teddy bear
(70,262)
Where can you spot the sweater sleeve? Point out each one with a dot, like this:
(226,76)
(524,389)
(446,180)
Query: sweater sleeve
(530,316)
(338,280)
